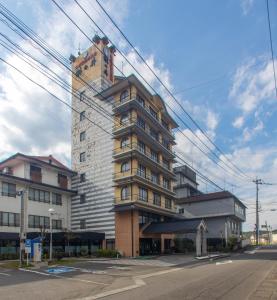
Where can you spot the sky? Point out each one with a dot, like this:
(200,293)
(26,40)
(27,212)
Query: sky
(214,56)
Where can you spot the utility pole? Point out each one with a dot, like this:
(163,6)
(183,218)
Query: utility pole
(257,182)
(22,235)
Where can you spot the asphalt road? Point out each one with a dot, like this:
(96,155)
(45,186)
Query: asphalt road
(250,275)
(237,278)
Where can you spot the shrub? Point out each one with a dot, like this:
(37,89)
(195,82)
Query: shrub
(232,243)
(84,252)
(58,254)
(184,245)
(107,253)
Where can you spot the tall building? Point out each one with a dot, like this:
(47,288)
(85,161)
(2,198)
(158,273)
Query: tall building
(126,177)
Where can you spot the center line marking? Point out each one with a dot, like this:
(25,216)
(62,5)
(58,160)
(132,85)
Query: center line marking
(5,274)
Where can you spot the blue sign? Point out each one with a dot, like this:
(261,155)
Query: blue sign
(60,270)
(28,243)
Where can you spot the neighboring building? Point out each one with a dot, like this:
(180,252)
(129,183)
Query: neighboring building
(125,177)
(223,212)
(46,184)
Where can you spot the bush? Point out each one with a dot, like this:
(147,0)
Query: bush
(58,254)
(84,252)
(184,245)
(232,243)
(107,253)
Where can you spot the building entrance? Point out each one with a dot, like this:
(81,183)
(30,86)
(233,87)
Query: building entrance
(148,246)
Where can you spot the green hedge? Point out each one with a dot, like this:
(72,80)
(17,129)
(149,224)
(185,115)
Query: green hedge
(107,253)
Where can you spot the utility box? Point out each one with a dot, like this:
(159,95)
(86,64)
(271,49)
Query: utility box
(37,251)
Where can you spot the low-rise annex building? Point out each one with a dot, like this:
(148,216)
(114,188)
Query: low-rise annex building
(46,184)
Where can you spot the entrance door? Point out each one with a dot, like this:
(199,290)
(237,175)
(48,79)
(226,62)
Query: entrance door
(148,246)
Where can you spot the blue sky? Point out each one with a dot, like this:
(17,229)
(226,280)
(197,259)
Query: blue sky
(186,43)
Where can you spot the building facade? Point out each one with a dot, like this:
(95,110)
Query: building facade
(46,184)
(125,173)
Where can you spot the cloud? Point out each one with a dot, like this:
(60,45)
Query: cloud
(246,6)
(212,120)
(238,122)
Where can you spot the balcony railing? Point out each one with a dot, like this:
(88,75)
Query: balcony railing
(146,108)
(145,152)
(144,127)
(142,174)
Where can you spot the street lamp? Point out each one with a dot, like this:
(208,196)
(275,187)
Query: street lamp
(51,212)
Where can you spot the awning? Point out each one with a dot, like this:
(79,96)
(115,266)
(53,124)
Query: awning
(189,226)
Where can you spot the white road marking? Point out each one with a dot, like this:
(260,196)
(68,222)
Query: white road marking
(5,274)
(250,252)
(119,268)
(63,277)
(223,262)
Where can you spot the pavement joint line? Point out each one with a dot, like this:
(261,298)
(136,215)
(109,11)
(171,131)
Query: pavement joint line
(5,274)
(138,283)
(63,277)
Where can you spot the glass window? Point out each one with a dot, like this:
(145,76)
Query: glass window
(154,134)
(165,183)
(165,125)
(82,136)
(82,116)
(166,163)
(154,177)
(56,199)
(82,198)
(124,142)
(57,224)
(124,95)
(8,189)
(168,203)
(124,119)
(125,193)
(143,194)
(141,147)
(83,157)
(11,219)
(140,100)
(31,221)
(141,171)
(153,113)
(154,155)
(83,177)
(125,167)
(156,199)
(141,122)
(83,224)
(5,219)
(82,94)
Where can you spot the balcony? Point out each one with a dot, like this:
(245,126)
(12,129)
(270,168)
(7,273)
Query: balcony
(142,130)
(134,101)
(144,154)
(144,177)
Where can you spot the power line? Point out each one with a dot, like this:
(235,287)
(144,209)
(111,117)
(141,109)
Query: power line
(212,152)
(166,88)
(271,45)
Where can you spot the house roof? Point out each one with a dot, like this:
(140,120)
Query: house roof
(49,161)
(184,226)
(208,197)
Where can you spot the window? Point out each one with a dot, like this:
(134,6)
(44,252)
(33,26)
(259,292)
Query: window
(35,173)
(82,136)
(181,211)
(124,119)
(83,224)
(154,134)
(38,221)
(165,125)
(56,199)
(166,163)
(83,198)
(124,142)
(156,199)
(125,167)
(141,123)
(57,224)
(154,178)
(141,171)
(62,181)
(9,219)
(82,116)
(143,194)
(141,147)
(83,177)
(153,113)
(154,156)
(82,94)
(124,95)
(166,183)
(165,144)
(141,101)
(8,189)
(83,157)
(39,195)
(124,193)
(168,203)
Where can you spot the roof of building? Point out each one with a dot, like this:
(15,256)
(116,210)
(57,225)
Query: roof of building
(209,197)
(122,83)
(184,226)
(49,161)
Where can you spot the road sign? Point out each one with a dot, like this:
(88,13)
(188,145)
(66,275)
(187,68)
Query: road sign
(28,244)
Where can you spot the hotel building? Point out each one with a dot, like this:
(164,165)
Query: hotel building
(125,174)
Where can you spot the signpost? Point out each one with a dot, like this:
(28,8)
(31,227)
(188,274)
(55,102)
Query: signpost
(28,248)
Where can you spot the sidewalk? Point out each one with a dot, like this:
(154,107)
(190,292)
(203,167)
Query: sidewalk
(268,287)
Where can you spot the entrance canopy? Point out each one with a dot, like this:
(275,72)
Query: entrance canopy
(184,226)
